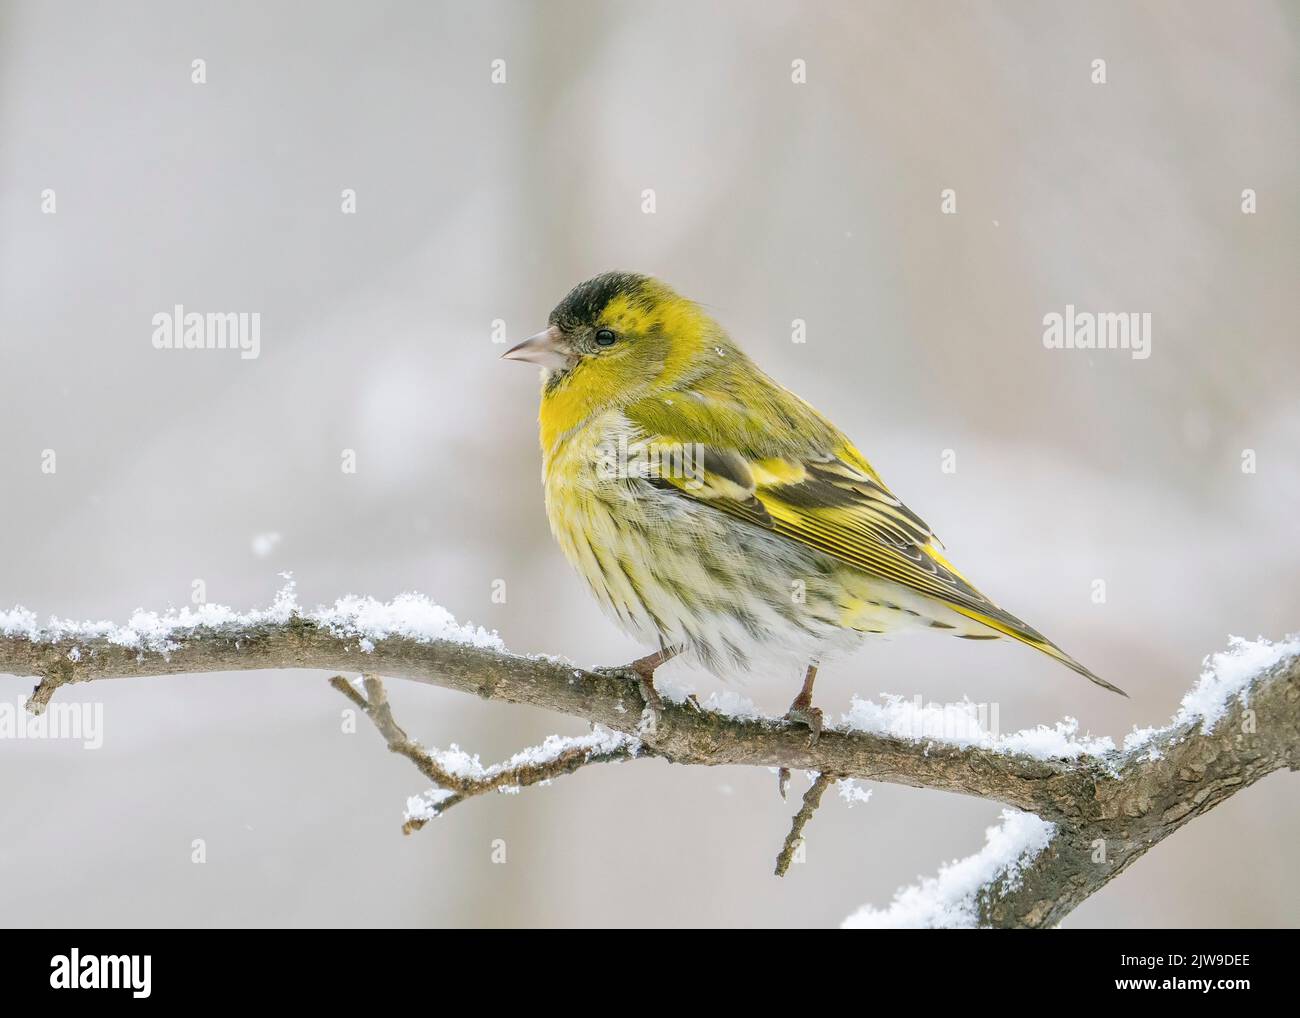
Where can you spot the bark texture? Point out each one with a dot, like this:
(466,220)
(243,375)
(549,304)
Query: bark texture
(1108,811)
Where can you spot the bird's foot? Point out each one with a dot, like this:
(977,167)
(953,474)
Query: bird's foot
(802,712)
(644,677)
(654,704)
(811,717)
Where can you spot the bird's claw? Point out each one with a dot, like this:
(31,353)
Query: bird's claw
(808,716)
(654,704)
(645,684)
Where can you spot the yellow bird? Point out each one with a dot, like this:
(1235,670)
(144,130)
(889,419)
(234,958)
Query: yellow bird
(718,515)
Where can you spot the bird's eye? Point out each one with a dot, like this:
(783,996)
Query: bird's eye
(605,337)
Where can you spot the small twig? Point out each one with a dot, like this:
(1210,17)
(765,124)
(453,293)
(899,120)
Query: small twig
(530,772)
(346,688)
(40,698)
(811,800)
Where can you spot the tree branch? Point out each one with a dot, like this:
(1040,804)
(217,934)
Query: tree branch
(1107,808)
(539,765)
(811,800)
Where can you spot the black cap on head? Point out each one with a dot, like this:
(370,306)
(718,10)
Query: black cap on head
(586,301)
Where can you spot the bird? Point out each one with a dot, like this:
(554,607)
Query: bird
(718,516)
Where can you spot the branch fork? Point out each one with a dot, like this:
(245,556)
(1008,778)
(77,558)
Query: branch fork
(1098,812)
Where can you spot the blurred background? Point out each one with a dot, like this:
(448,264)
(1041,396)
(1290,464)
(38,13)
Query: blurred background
(478,201)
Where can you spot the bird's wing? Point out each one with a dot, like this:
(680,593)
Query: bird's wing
(815,488)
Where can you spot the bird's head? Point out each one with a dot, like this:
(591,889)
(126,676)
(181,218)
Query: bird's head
(617,337)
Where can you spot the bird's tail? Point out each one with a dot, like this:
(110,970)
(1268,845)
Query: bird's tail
(1009,625)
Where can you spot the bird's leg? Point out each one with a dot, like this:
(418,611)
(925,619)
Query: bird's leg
(802,709)
(643,671)
(803,712)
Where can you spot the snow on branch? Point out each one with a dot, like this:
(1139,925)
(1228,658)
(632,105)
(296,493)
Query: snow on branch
(952,898)
(1082,809)
(459,776)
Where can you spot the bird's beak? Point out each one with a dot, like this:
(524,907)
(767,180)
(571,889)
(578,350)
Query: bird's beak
(547,348)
